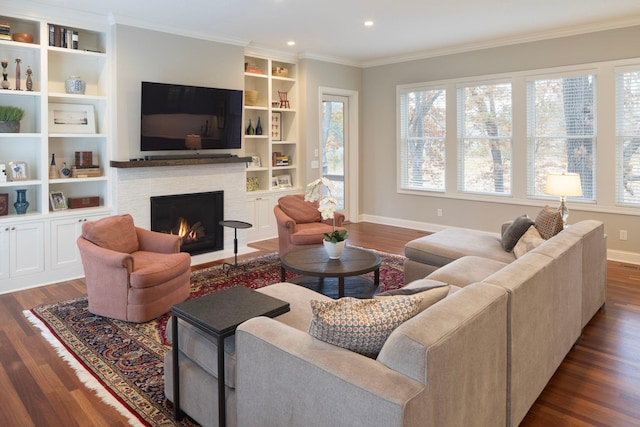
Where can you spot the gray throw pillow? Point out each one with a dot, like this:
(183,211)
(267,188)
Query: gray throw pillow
(512,234)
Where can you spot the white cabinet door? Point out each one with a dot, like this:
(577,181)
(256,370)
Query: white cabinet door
(64,233)
(5,251)
(262,218)
(26,248)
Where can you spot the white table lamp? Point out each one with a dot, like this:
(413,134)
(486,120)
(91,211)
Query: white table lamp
(564,185)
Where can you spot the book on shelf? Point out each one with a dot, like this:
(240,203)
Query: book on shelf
(5,37)
(63,37)
(85,171)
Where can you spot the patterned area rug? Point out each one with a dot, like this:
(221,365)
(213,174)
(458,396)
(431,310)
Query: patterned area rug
(123,362)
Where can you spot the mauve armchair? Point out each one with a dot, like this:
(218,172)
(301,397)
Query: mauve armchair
(300,224)
(132,274)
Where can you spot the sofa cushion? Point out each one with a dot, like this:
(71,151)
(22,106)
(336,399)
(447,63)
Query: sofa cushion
(445,246)
(432,292)
(360,325)
(117,233)
(529,241)
(549,222)
(295,207)
(466,270)
(514,231)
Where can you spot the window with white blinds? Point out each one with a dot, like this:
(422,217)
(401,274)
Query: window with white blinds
(484,138)
(422,139)
(628,138)
(561,129)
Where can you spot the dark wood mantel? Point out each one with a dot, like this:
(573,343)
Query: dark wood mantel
(177,162)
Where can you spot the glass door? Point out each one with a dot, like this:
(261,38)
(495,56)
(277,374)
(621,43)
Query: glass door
(334,144)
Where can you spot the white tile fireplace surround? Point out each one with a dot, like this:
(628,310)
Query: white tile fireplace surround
(135,186)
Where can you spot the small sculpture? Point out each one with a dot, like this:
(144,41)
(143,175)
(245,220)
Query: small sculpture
(284,102)
(5,82)
(18,61)
(29,80)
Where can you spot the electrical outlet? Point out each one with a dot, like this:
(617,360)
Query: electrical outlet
(439,212)
(623,234)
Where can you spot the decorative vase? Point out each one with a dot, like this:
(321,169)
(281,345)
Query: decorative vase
(53,171)
(258,127)
(334,250)
(21,203)
(10,127)
(74,85)
(250,130)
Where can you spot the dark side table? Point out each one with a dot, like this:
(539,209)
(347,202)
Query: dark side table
(219,314)
(235,225)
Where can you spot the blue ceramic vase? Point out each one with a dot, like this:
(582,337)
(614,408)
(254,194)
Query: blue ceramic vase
(21,203)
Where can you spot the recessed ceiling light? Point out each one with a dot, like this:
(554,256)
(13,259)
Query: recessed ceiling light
(291,43)
(368,23)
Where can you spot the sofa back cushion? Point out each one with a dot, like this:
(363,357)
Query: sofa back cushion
(117,233)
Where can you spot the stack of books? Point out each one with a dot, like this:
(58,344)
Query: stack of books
(5,31)
(63,37)
(85,171)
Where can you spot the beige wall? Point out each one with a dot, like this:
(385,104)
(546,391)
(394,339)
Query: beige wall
(379,199)
(144,55)
(313,75)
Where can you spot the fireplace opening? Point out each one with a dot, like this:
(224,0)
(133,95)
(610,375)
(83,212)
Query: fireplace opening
(194,217)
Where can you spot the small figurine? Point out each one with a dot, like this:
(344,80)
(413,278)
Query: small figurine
(18,61)
(5,82)
(29,80)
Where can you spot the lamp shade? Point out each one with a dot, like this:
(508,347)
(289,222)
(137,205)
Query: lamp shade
(563,184)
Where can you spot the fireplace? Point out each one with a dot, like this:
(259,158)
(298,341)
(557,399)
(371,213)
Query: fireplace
(195,217)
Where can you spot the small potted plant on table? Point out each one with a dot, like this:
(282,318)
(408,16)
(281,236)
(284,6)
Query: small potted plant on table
(335,241)
(10,119)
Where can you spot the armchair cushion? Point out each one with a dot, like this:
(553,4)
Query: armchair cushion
(151,268)
(360,325)
(299,210)
(117,233)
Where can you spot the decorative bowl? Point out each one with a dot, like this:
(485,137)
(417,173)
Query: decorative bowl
(22,37)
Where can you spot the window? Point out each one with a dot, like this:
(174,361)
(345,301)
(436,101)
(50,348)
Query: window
(484,138)
(422,139)
(628,138)
(561,129)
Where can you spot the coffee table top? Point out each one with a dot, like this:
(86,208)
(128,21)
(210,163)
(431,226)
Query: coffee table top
(221,312)
(316,262)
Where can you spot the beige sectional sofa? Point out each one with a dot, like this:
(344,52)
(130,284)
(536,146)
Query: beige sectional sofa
(478,357)
(554,290)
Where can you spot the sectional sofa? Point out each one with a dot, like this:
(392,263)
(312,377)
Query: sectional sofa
(478,357)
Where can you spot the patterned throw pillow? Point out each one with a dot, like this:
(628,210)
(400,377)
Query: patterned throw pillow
(529,241)
(360,325)
(549,222)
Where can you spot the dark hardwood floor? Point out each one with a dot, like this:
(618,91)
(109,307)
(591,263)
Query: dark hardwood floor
(598,384)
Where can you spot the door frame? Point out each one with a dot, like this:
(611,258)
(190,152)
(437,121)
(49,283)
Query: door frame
(352,171)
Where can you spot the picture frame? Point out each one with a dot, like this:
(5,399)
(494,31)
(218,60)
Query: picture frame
(72,118)
(255,162)
(284,181)
(18,171)
(276,126)
(58,202)
(274,183)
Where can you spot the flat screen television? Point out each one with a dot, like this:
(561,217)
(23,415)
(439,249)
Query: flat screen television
(179,117)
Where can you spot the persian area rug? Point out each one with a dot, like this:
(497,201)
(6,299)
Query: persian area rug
(123,362)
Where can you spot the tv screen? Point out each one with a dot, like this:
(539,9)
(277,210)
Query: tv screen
(178,117)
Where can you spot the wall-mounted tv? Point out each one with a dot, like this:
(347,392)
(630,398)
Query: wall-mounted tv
(178,117)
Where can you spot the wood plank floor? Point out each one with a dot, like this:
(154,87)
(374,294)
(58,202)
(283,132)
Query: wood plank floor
(598,384)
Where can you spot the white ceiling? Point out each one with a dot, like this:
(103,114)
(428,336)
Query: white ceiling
(334,30)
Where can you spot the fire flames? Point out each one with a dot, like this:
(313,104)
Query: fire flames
(188,233)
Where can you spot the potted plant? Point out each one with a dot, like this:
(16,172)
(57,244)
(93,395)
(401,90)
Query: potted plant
(10,119)
(335,241)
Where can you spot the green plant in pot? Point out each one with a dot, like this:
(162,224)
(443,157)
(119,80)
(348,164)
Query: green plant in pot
(335,241)
(10,118)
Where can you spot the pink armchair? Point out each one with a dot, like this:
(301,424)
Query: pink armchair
(300,224)
(132,274)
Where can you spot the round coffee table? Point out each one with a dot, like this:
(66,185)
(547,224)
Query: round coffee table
(315,262)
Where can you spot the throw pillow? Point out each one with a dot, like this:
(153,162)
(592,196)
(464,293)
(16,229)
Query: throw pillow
(430,294)
(512,234)
(549,222)
(360,325)
(529,240)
